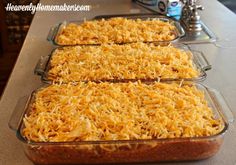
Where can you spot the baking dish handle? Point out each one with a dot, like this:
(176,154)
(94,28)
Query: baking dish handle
(18,113)
(224,108)
(52,33)
(41,65)
(181,31)
(201,60)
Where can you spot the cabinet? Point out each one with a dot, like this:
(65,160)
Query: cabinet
(14,26)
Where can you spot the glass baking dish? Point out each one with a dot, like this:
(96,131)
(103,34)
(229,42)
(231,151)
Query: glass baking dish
(124,151)
(57,29)
(199,62)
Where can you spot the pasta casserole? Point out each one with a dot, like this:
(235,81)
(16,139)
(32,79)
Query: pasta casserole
(119,111)
(116,30)
(119,62)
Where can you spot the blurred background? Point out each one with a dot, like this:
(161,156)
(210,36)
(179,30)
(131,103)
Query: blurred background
(231,4)
(14,27)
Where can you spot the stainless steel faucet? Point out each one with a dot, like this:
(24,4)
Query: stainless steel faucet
(190,17)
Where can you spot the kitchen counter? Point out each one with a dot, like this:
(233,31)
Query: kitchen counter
(22,81)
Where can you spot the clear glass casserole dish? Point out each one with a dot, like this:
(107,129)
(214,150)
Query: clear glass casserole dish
(178,31)
(124,151)
(198,60)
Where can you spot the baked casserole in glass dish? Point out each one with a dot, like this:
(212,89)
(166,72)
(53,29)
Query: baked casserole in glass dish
(129,62)
(91,123)
(118,29)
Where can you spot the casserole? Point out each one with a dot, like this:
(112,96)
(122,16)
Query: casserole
(129,62)
(125,151)
(71,33)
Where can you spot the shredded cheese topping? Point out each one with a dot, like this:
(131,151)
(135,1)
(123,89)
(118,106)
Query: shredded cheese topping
(129,61)
(119,111)
(116,30)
